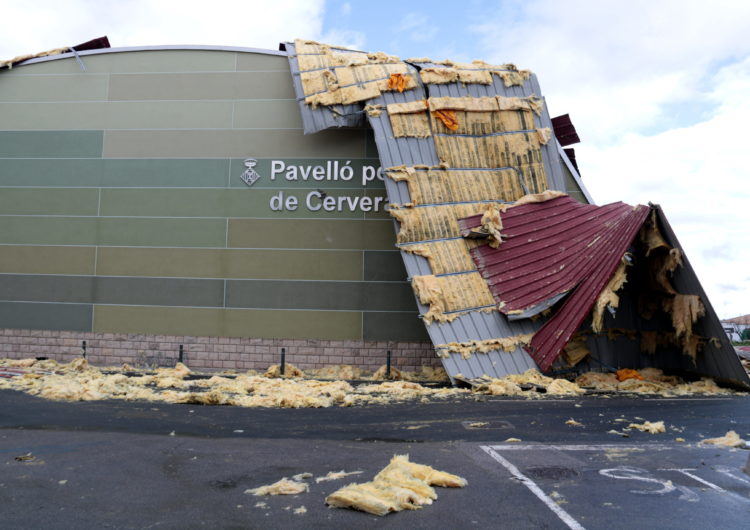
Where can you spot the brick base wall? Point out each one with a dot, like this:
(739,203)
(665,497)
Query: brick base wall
(211,353)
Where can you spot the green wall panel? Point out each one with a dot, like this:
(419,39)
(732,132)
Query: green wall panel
(232,144)
(117,115)
(355,296)
(230,85)
(113,172)
(45,201)
(165,173)
(234,263)
(248,202)
(311,234)
(162,232)
(331,325)
(26,230)
(66,317)
(46,259)
(50,144)
(76,87)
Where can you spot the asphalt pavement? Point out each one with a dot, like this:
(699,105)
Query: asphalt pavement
(115,464)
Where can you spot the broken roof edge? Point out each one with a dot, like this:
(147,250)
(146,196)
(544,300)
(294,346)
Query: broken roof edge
(726,365)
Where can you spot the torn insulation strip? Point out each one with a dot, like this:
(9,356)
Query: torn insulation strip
(446,296)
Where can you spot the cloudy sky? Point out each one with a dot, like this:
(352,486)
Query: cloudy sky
(657,90)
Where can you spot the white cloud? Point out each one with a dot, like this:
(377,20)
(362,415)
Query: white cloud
(700,176)
(47,24)
(658,94)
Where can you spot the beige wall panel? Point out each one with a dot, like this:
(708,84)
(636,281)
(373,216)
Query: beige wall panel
(275,114)
(239,85)
(142,61)
(91,87)
(236,263)
(234,144)
(46,259)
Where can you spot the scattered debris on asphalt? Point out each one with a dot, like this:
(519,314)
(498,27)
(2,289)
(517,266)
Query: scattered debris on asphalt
(282,487)
(336,475)
(730,439)
(655,427)
(401,485)
(79,381)
(574,423)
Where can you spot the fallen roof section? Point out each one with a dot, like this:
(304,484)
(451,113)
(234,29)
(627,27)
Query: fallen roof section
(465,140)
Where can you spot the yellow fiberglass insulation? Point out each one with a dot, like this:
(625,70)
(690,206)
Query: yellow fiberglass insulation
(447,296)
(467,349)
(608,297)
(77,381)
(730,439)
(654,382)
(655,427)
(289,371)
(282,487)
(401,485)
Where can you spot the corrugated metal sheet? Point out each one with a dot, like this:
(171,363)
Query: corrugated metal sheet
(552,248)
(318,119)
(410,151)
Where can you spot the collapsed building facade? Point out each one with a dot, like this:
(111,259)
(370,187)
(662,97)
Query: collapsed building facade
(169,196)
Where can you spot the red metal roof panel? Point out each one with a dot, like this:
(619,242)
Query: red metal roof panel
(551,249)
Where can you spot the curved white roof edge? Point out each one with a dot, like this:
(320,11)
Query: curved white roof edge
(176,47)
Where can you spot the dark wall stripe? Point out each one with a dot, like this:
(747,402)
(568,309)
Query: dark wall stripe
(352,296)
(385,265)
(27,315)
(50,144)
(102,290)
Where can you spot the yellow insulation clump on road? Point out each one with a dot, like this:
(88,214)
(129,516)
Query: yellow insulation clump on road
(655,427)
(401,485)
(653,381)
(282,487)
(730,439)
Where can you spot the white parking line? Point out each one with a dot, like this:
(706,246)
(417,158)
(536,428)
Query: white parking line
(536,490)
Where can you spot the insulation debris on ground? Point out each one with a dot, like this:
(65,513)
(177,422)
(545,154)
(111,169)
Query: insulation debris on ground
(282,487)
(648,381)
(78,381)
(574,423)
(655,427)
(401,485)
(730,439)
(336,475)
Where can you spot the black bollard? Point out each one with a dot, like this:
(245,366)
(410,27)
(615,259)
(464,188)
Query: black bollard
(388,365)
(83,347)
(283,360)
(181,353)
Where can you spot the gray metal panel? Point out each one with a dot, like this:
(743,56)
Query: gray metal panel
(314,120)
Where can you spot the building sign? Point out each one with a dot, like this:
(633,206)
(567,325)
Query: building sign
(322,172)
